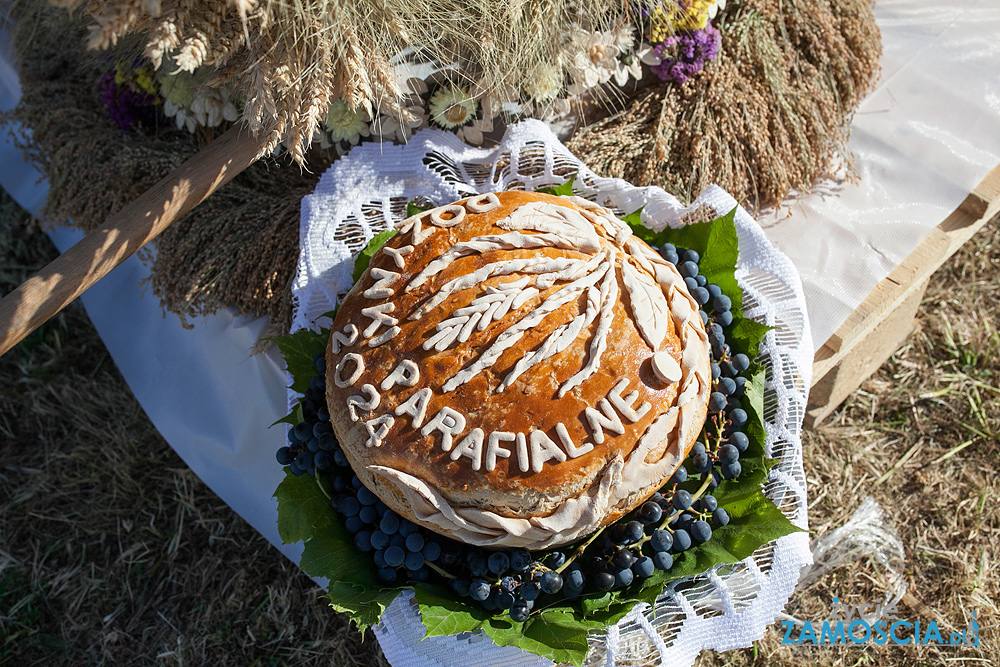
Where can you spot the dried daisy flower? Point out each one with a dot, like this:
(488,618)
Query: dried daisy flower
(451,107)
(345,124)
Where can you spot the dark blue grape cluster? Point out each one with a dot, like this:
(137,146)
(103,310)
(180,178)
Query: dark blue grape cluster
(670,522)
(312,446)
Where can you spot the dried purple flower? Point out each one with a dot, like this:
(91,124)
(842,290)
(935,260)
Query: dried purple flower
(684,54)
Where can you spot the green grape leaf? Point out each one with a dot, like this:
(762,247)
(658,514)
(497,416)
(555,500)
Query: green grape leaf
(564,190)
(745,335)
(302,508)
(364,606)
(331,553)
(298,349)
(365,257)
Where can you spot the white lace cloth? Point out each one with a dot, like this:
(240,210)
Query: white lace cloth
(727,607)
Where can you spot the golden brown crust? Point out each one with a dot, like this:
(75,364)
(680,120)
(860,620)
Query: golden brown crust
(530,403)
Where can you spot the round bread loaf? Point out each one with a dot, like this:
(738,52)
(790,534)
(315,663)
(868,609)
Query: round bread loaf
(517,370)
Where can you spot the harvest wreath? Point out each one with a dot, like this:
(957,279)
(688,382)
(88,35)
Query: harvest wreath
(536,522)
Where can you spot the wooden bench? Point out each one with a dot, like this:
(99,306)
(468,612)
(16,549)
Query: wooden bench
(878,327)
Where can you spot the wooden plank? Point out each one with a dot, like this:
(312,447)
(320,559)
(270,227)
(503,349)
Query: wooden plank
(94,256)
(981,206)
(863,358)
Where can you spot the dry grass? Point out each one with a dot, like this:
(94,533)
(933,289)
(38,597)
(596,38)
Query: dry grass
(113,552)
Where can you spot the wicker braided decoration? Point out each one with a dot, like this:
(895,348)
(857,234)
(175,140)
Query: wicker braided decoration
(765,115)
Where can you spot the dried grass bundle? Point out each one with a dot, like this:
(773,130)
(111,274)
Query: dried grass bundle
(769,115)
(237,248)
(292,59)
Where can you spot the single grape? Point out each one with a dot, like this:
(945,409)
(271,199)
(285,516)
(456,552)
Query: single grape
(340,483)
(738,417)
(407,527)
(450,554)
(650,512)
(477,563)
(520,560)
(505,600)
(682,520)
(720,517)
(692,256)
(623,559)
(379,558)
(432,551)
(304,460)
(700,295)
(303,431)
(681,499)
(732,470)
(708,503)
(682,540)
(574,580)
(643,567)
(519,612)
(389,523)
(704,316)
(313,445)
(414,560)
(728,369)
(285,456)
(605,581)
(327,442)
(663,560)
(688,269)
(623,577)
(323,414)
(700,531)
(340,458)
(394,556)
(508,584)
(366,497)
(414,542)
(319,361)
(717,401)
(552,582)
(397,540)
(349,506)
(725,318)
(741,383)
(386,575)
(353,524)
(356,483)
(368,514)
(498,562)
(363,541)
(490,603)
(479,590)
(698,448)
(691,283)
(739,440)
(633,531)
(420,574)
(728,454)
(529,590)
(661,540)
(701,462)
(460,586)
(726,386)
(721,303)
(679,477)
(321,428)
(702,280)
(741,362)
(554,560)
(379,539)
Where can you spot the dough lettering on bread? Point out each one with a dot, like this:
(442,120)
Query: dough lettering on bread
(517,370)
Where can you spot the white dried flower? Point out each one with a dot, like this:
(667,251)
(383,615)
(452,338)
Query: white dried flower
(398,125)
(452,107)
(344,124)
(211,106)
(473,132)
(544,83)
(595,57)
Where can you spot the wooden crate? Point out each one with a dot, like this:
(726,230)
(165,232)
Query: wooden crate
(882,322)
